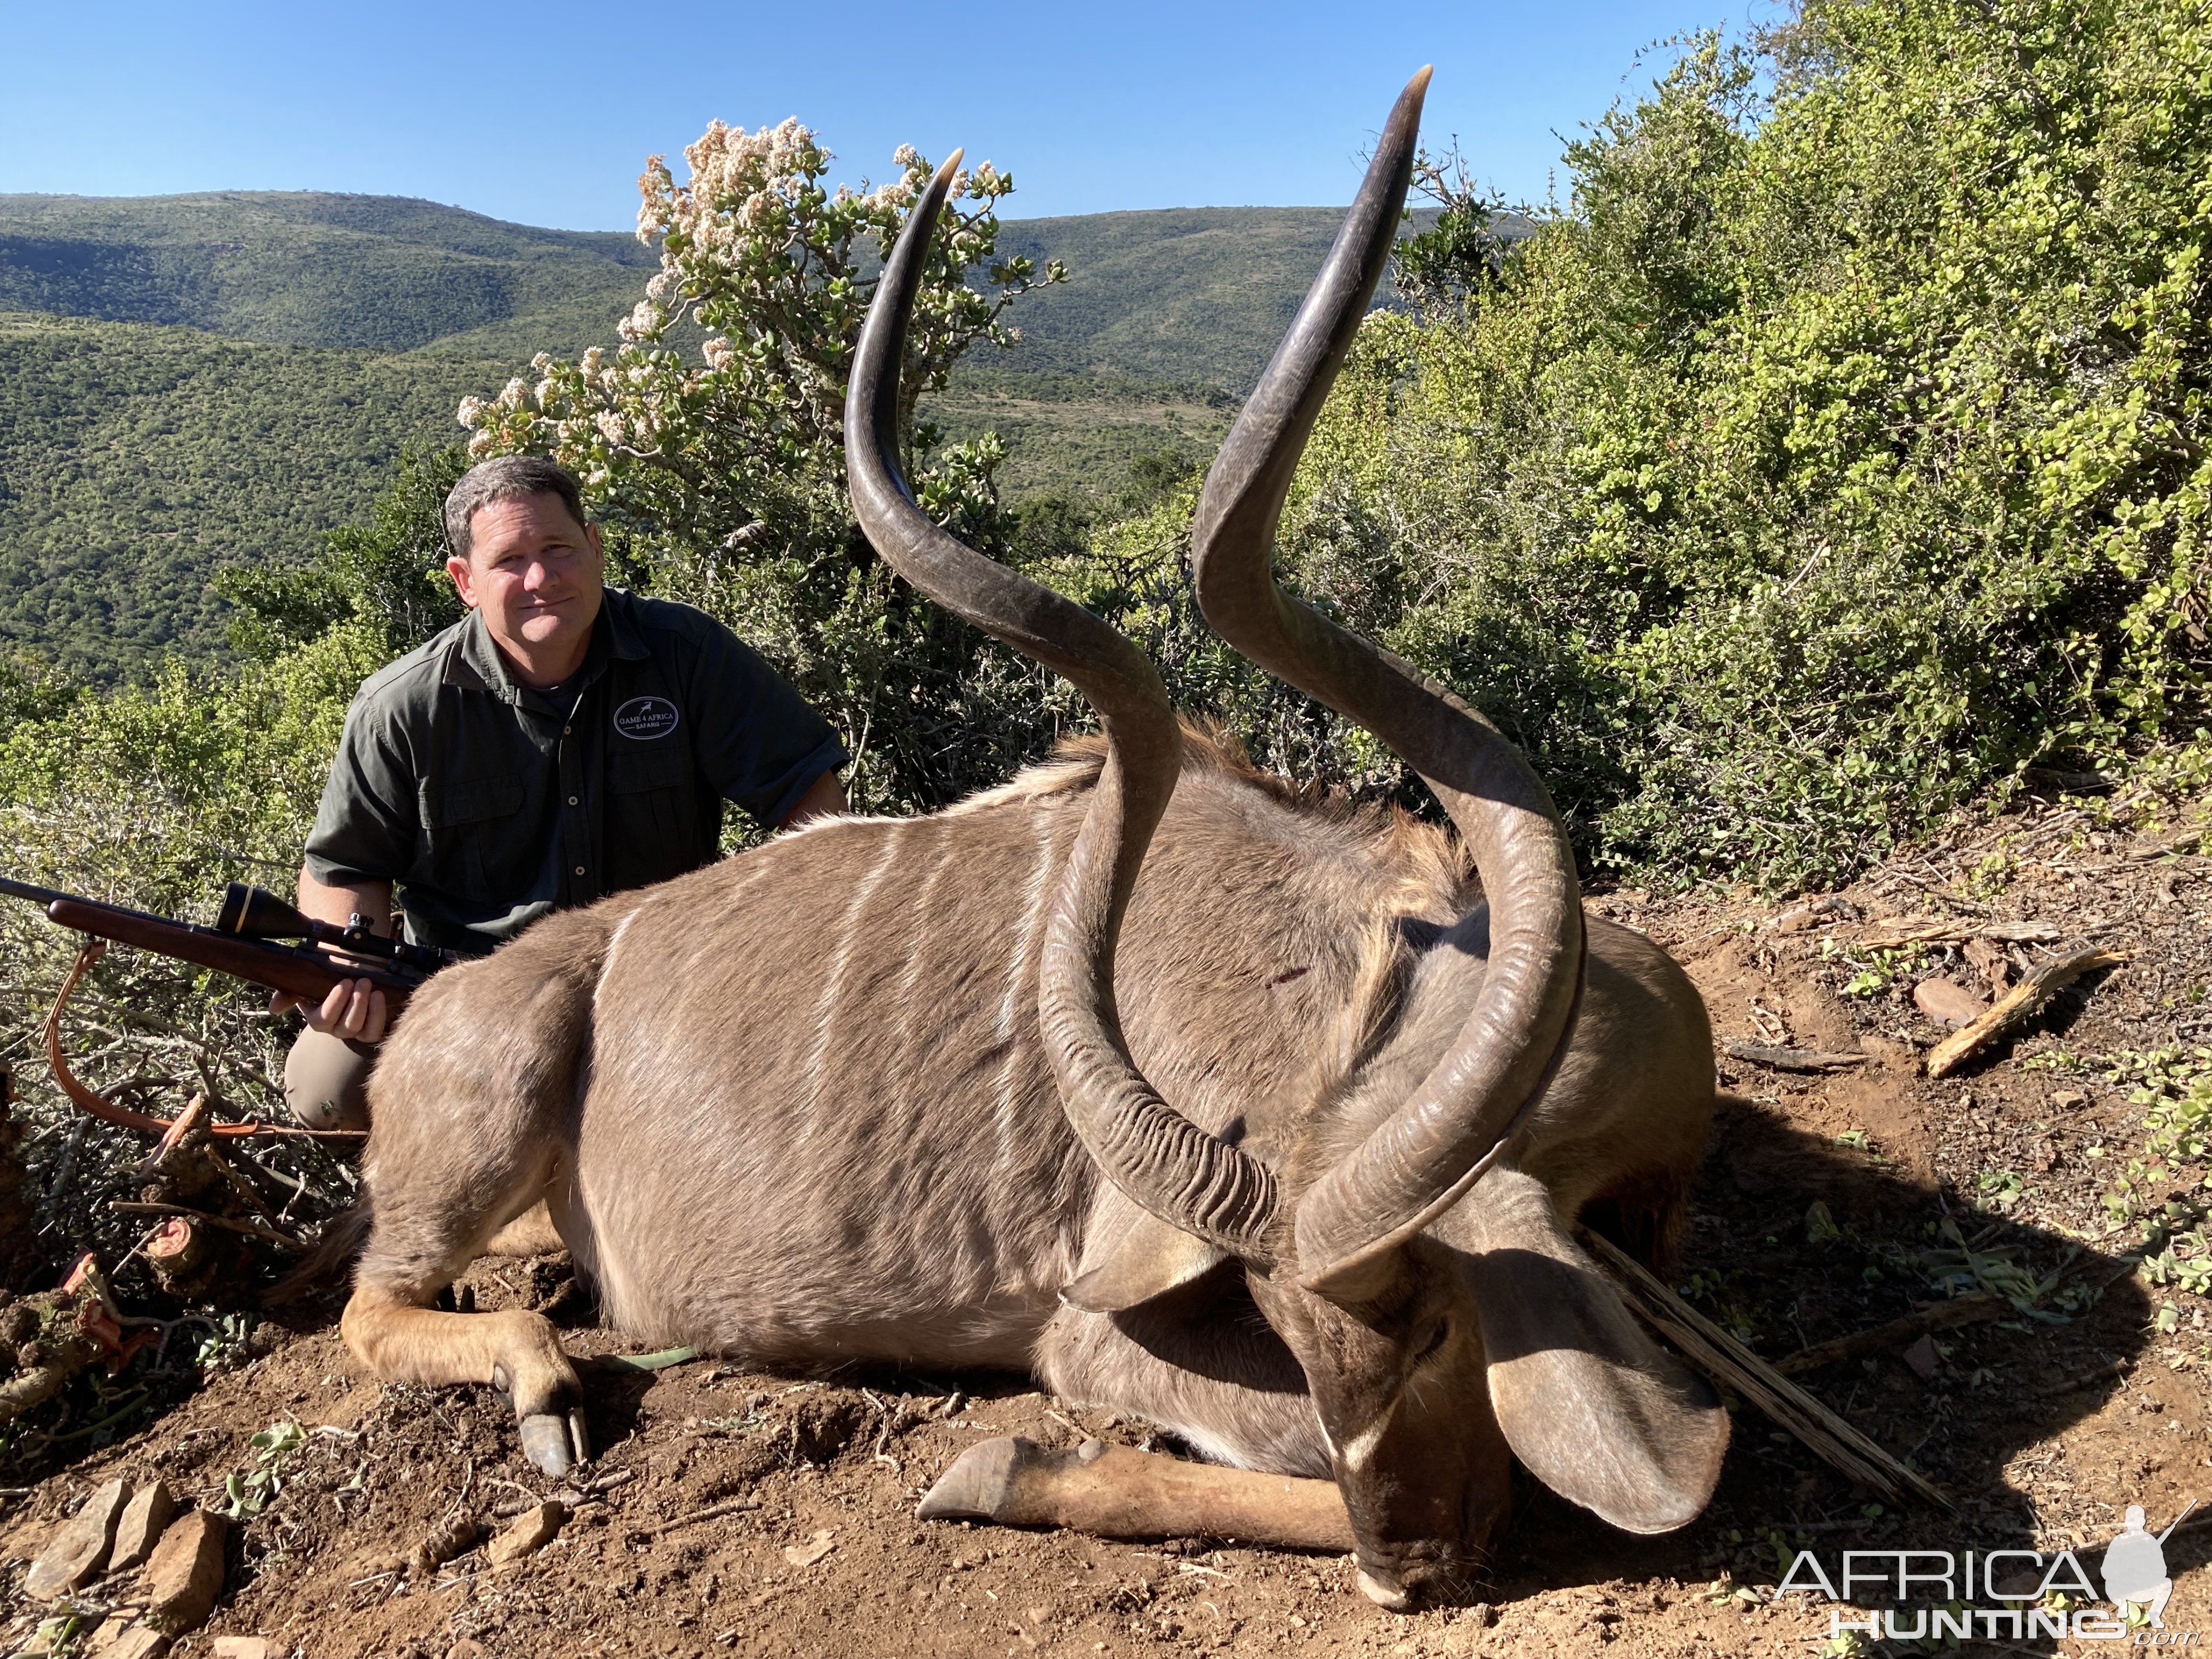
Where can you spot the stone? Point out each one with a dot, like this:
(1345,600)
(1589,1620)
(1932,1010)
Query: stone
(145,1518)
(806,1554)
(532,1530)
(1921,1357)
(1947,1002)
(244,1647)
(139,1642)
(112,1629)
(184,1574)
(75,1555)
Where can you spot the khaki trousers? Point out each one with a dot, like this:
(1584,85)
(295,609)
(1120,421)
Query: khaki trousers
(326,1081)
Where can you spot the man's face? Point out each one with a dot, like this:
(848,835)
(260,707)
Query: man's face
(535,574)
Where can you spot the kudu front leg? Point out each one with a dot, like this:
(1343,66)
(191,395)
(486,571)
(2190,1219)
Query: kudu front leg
(402,1340)
(1113,1491)
(426,1227)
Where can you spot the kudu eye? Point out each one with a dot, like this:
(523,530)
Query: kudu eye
(1436,1341)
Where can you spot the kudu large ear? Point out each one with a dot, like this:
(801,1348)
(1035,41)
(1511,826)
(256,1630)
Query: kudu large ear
(1599,1411)
(1149,1260)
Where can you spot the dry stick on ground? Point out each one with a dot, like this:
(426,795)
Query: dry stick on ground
(1937,1316)
(2159,847)
(712,1511)
(1727,1361)
(2016,1007)
(1791,1059)
(1915,930)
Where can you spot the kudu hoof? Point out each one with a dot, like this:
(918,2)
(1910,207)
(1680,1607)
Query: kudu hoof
(980,1485)
(556,1444)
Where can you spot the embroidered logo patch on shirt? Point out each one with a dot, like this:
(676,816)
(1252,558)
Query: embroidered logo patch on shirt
(646,718)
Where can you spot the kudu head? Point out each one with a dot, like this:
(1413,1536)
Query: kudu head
(1424,1357)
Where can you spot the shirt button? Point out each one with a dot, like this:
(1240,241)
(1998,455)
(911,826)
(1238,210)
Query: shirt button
(571,801)
(566,730)
(580,869)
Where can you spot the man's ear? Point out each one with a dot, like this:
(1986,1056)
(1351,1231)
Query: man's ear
(463,581)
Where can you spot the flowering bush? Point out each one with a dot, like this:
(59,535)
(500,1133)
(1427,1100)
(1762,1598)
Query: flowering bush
(736,443)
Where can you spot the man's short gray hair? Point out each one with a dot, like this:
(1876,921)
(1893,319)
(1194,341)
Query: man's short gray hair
(506,479)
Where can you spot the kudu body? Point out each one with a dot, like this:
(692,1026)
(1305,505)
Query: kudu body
(898,1089)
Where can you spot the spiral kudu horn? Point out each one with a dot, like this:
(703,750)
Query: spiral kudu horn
(1162,1160)
(1421,1159)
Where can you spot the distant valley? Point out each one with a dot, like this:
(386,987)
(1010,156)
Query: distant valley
(189,381)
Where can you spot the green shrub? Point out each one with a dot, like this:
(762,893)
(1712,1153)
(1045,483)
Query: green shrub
(1837,454)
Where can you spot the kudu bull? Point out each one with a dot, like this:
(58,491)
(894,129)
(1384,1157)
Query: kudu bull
(898,1089)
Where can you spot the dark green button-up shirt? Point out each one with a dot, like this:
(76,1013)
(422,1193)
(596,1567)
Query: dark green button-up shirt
(489,803)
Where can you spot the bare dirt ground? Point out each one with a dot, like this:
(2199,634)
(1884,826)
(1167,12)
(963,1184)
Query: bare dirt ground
(731,1511)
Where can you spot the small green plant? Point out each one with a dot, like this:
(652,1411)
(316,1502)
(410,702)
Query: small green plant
(1878,970)
(224,1343)
(251,1490)
(1992,875)
(2174,1088)
(1711,1286)
(58,1636)
(2186,1263)
(2001,1189)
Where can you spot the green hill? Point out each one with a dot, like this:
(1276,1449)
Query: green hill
(219,378)
(1189,295)
(379,273)
(1183,296)
(134,461)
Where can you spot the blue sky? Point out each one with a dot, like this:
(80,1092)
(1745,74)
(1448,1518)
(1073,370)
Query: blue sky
(544,114)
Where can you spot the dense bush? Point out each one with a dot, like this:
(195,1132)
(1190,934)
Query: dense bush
(135,461)
(1837,452)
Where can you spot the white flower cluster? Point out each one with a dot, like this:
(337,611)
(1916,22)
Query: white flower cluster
(772,266)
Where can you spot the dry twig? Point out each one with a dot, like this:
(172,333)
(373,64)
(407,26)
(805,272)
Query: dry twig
(1937,1316)
(1791,1059)
(2016,1007)
(1727,1361)
(712,1511)
(1925,930)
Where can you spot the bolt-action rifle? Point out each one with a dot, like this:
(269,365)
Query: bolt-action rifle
(257,937)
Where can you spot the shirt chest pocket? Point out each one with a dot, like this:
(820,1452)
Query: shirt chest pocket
(652,830)
(469,823)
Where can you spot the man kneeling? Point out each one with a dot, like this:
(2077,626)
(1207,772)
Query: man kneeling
(563,741)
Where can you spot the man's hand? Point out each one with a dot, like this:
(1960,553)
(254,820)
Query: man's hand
(353,1010)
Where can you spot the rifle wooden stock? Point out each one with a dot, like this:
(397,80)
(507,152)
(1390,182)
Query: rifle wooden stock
(304,971)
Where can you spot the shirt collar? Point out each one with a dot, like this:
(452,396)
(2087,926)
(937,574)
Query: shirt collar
(475,663)
(618,612)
